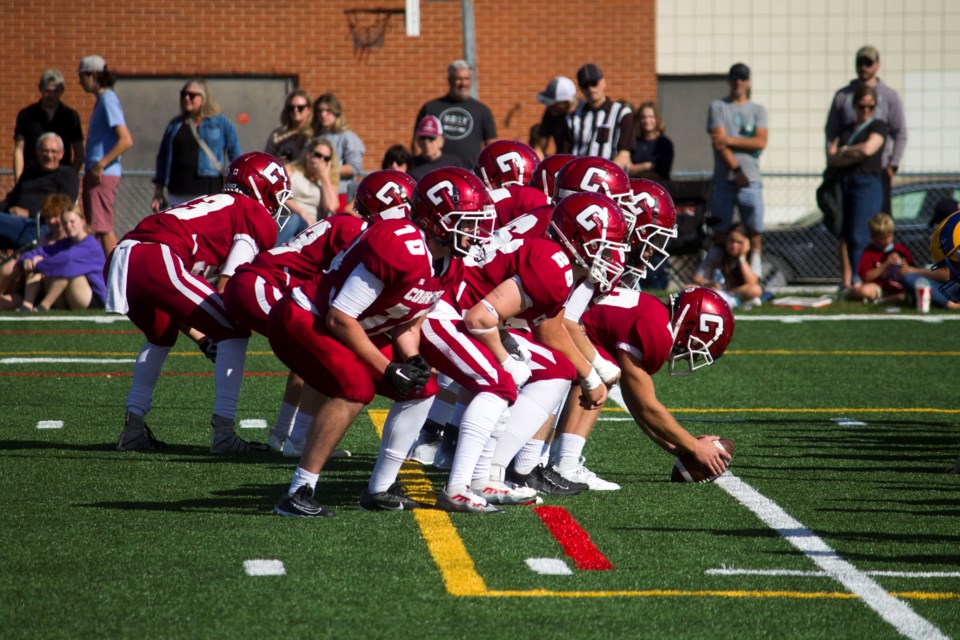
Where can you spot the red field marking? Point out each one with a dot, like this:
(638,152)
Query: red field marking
(127,374)
(575,541)
(67,332)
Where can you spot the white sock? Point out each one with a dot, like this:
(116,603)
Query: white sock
(529,457)
(527,415)
(300,478)
(228,373)
(285,419)
(481,472)
(569,448)
(400,431)
(301,427)
(146,372)
(479,421)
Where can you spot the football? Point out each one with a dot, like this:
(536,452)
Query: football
(687,469)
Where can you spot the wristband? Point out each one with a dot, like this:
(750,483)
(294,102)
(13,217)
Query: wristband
(598,361)
(592,381)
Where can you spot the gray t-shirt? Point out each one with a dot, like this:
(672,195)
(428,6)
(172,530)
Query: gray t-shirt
(741,121)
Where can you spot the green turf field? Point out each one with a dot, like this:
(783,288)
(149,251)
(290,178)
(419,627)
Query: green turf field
(837,521)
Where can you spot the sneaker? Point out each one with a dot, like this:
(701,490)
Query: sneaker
(496,492)
(275,442)
(292,449)
(136,436)
(466,501)
(580,473)
(230,442)
(546,481)
(302,504)
(428,441)
(393,499)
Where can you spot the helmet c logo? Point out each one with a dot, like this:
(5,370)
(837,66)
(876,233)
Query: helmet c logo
(273,173)
(590,216)
(432,192)
(708,319)
(390,193)
(510,161)
(594,179)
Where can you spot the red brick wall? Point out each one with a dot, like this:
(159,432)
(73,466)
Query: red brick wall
(520,45)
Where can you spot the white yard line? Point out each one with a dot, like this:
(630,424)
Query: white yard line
(66,360)
(253,423)
(50,424)
(730,571)
(549,566)
(895,612)
(264,567)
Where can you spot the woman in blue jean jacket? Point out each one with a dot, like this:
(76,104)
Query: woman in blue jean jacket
(184,169)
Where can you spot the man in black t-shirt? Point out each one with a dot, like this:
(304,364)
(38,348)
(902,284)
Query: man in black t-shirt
(49,114)
(468,124)
(430,154)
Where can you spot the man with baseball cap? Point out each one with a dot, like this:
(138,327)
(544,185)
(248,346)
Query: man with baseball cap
(889,109)
(600,126)
(560,100)
(429,142)
(49,114)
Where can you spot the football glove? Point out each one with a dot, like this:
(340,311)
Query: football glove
(209,348)
(516,350)
(407,378)
(518,369)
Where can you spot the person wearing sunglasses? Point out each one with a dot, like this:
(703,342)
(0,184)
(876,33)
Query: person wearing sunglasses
(197,146)
(313,188)
(856,152)
(330,123)
(842,114)
(600,126)
(296,127)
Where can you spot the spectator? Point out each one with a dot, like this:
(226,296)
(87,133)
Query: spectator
(397,157)
(18,222)
(856,152)
(72,268)
(430,141)
(296,127)
(468,123)
(313,188)
(49,114)
(197,145)
(653,156)
(599,127)
(738,129)
(560,100)
(330,123)
(842,115)
(881,264)
(107,138)
(11,277)
(730,274)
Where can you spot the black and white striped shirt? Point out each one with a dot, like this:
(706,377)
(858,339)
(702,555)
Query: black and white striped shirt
(601,132)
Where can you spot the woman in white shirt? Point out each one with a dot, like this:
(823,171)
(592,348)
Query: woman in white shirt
(313,186)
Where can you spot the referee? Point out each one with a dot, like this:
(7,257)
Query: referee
(600,126)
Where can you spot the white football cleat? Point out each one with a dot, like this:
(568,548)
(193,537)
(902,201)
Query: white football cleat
(580,473)
(496,492)
(465,501)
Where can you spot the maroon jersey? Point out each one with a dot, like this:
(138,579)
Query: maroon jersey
(540,265)
(307,255)
(514,200)
(393,251)
(533,224)
(631,321)
(202,231)
(873,257)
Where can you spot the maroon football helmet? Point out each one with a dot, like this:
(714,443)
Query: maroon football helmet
(702,326)
(591,229)
(545,175)
(652,217)
(452,205)
(261,177)
(385,194)
(597,175)
(506,162)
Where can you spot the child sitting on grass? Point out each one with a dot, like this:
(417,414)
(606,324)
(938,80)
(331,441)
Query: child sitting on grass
(881,264)
(729,273)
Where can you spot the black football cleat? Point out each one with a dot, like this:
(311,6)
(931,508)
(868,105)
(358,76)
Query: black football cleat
(302,504)
(393,499)
(546,481)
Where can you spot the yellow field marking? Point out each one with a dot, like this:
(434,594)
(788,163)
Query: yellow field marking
(461,579)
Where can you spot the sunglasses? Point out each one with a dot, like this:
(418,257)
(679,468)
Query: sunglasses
(589,85)
(190,94)
(866,107)
(320,156)
(297,107)
(864,62)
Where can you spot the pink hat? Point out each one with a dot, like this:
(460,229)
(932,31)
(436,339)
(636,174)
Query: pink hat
(429,127)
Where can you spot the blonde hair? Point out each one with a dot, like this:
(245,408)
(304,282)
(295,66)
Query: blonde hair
(340,123)
(210,106)
(881,225)
(307,125)
(300,164)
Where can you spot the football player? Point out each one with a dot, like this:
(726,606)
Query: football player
(545,175)
(258,285)
(652,217)
(945,249)
(354,332)
(159,277)
(639,334)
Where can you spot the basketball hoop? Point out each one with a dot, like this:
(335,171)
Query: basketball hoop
(368,28)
